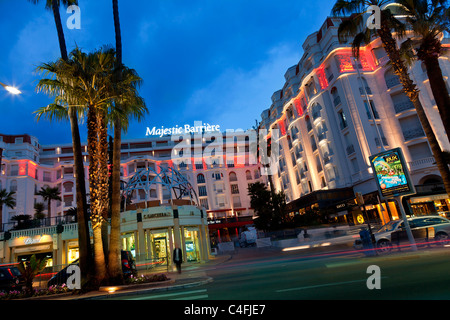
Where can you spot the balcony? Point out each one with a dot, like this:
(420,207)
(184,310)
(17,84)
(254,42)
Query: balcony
(392,81)
(421,163)
(350,149)
(403,106)
(413,133)
(368,90)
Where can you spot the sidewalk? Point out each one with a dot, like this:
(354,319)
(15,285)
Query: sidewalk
(190,276)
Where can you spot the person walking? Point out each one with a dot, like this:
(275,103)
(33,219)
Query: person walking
(178,258)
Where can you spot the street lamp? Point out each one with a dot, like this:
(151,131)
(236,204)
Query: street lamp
(10,89)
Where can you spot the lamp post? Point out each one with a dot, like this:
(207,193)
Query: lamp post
(10,89)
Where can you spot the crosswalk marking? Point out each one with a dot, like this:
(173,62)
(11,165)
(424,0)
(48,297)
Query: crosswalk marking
(168,295)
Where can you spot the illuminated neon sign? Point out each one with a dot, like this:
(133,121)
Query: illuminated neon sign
(198,127)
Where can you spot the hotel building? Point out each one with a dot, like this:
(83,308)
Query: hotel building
(153,218)
(333,113)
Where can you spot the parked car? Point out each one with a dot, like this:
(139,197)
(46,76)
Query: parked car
(11,278)
(128,269)
(394,231)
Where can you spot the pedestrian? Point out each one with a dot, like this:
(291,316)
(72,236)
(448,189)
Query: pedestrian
(178,258)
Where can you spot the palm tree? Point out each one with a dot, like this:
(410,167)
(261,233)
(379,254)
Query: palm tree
(114,258)
(49,194)
(82,214)
(30,269)
(428,20)
(352,28)
(7,199)
(130,105)
(85,83)
(39,210)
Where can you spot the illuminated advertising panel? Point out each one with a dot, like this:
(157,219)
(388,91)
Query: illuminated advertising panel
(391,173)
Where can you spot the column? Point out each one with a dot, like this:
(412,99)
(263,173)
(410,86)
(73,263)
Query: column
(140,237)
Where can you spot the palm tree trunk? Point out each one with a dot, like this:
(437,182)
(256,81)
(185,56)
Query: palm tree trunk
(103,178)
(411,91)
(96,210)
(114,258)
(84,244)
(439,90)
(49,203)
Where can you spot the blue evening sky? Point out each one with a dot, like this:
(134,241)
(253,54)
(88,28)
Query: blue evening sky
(216,61)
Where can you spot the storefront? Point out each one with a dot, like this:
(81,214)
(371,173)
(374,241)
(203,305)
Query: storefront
(22,248)
(374,210)
(151,234)
(429,199)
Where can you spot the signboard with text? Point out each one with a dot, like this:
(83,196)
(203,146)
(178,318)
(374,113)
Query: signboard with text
(391,173)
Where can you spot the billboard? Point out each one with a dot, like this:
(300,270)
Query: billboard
(391,173)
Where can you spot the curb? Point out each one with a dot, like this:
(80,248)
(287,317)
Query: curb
(135,291)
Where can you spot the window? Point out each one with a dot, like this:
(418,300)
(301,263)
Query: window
(47,176)
(200,178)
(217,176)
(391,79)
(411,128)
(236,201)
(383,138)
(420,151)
(18,140)
(355,166)
(313,143)
(233,176)
(248,175)
(14,170)
(13,186)
(204,203)
(199,166)
(202,191)
(371,110)
(319,164)
(335,96)
(363,82)
(234,189)
(294,132)
(401,102)
(342,120)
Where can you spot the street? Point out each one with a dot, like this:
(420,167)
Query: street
(253,274)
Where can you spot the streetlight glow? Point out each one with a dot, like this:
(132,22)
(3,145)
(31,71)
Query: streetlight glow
(12,90)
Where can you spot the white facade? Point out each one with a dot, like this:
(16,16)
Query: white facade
(221,184)
(327,130)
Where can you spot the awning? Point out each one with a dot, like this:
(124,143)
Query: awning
(428,198)
(236,224)
(33,248)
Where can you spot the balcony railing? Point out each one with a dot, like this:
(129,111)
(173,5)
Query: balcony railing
(421,163)
(37,223)
(392,81)
(413,133)
(402,106)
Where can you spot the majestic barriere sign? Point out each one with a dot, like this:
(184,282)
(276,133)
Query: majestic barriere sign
(185,129)
(391,173)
